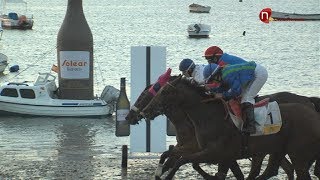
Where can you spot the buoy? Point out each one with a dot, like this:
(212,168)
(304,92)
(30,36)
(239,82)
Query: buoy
(244,33)
(14,68)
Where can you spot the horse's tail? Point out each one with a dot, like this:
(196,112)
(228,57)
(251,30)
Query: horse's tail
(316,103)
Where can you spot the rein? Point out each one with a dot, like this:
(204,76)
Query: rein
(188,116)
(134,108)
(171,85)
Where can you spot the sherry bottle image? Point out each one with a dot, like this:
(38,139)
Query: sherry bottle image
(122,109)
(75,54)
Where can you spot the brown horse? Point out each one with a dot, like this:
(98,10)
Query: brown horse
(219,140)
(185,135)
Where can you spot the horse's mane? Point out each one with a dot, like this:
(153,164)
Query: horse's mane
(199,88)
(170,79)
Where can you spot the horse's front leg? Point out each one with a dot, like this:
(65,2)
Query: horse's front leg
(288,168)
(197,157)
(163,157)
(170,162)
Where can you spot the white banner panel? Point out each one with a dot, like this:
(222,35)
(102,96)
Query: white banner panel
(74,64)
(147,61)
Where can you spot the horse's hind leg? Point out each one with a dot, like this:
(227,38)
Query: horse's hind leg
(288,168)
(273,166)
(301,167)
(255,166)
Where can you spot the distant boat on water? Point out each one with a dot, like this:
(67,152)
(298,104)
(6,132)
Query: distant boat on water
(199,30)
(14,20)
(282,16)
(197,8)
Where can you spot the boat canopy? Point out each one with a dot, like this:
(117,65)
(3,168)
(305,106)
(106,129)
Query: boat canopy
(43,78)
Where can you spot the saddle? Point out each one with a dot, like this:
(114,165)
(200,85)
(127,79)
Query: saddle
(267,116)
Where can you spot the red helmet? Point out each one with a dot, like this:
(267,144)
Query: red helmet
(213,51)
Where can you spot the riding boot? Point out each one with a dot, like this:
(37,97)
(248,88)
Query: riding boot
(248,116)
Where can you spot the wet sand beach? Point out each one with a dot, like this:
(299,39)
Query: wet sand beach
(79,148)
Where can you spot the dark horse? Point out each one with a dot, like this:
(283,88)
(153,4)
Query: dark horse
(221,142)
(186,137)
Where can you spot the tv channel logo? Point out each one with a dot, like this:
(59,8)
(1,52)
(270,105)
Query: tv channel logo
(265,15)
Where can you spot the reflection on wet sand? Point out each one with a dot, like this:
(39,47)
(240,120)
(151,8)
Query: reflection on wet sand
(74,140)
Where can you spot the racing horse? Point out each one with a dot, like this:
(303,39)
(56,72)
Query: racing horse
(220,141)
(185,135)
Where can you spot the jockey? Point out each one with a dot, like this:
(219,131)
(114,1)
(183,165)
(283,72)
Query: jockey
(189,69)
(245,80)
(215,55)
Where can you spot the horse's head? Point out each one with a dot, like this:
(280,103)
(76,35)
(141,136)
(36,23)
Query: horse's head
(174,93)
(134,116)
(145,97)
(177,92)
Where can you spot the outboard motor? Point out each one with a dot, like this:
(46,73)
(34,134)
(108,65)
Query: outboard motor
(198,29)
(110,95)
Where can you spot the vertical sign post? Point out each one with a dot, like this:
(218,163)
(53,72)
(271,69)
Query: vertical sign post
(147,64)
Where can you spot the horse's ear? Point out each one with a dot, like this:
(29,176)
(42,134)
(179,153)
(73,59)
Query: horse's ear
(175,81)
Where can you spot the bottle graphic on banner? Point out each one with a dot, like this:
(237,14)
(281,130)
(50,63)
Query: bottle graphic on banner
(75,54)
(122,109)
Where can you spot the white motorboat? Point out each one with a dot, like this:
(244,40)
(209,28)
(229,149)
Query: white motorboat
(14,20)
(197,8)
(40,98)
(3,62)
(199,30)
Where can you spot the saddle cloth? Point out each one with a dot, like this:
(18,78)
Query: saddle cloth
(267,117)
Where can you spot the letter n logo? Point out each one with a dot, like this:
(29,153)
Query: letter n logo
(265,15)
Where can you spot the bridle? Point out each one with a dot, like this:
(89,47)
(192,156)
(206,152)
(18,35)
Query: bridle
(135,108)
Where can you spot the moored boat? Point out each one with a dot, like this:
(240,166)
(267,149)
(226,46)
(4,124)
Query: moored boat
(197,8)
(282,16)
(14,20)
(198,30)
(41,98)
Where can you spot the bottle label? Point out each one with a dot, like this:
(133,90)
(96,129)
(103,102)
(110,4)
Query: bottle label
(121,114)
(74,64)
